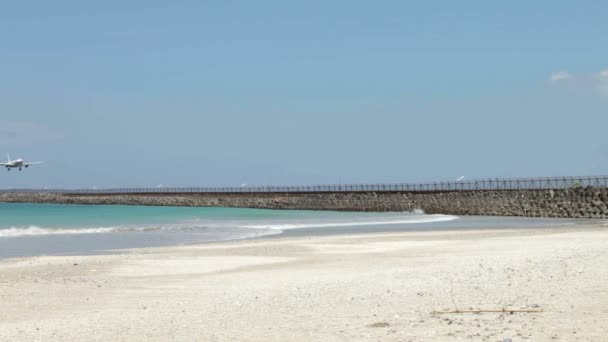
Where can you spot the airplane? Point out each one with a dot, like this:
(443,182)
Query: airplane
(19,163)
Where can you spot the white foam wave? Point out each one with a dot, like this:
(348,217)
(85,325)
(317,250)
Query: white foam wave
(277,226)
(40,231)
(37,231)
(387,221)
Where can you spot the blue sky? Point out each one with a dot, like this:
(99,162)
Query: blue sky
(142,93)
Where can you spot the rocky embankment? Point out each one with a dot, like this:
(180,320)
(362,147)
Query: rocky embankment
(577,203)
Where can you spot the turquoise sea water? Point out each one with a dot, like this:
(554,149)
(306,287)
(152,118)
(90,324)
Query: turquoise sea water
(32,229)
(38,229)
(40,219)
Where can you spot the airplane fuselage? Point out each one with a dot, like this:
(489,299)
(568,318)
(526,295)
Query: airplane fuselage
(15,164)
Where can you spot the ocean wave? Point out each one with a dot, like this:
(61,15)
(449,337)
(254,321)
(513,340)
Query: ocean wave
(226,227)
(386,221)
(37,231)
(40,231)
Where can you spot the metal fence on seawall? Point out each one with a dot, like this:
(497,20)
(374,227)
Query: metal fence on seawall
(546,183)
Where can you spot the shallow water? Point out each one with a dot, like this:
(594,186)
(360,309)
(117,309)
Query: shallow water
(44,229)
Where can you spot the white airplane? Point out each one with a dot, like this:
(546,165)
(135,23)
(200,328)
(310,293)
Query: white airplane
(19,163)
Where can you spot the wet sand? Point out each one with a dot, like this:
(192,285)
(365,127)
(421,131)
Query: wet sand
(367,287)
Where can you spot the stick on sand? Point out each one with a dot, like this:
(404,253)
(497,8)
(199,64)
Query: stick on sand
(487,310)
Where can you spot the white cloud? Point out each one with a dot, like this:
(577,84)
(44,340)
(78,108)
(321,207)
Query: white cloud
(602,75)
(25,133)
(559,76)
(597,82)
(602,81)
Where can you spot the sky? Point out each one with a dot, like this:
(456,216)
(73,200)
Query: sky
(225,93)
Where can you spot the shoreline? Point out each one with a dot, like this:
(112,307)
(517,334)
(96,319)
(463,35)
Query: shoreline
(365,287)
(73,244)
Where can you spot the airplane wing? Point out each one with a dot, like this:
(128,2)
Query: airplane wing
(32,163)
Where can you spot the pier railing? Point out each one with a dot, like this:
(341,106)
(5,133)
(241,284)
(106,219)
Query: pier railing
(546,183)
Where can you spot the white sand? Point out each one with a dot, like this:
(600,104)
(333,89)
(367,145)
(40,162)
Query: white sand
(319,289)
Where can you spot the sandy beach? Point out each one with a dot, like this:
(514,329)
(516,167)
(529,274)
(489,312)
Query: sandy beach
(369,287)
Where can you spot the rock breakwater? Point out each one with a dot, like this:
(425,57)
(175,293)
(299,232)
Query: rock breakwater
(589,202)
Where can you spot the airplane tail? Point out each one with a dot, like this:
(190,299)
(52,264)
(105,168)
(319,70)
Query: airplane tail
(8,156)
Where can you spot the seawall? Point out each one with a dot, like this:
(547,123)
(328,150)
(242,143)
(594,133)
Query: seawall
(588,202)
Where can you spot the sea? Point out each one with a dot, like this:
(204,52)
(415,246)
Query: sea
(61,229)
